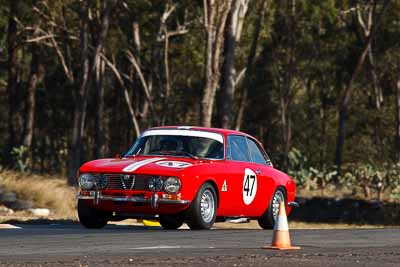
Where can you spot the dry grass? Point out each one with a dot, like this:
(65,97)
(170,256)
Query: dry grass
(354,192)
(50,192)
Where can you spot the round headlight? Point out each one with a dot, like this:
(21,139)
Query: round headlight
(172,185)
(155,184)
(86,181)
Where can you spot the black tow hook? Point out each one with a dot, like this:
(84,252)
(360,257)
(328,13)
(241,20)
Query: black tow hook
(154,201)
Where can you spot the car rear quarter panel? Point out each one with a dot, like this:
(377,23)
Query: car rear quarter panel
(285,181)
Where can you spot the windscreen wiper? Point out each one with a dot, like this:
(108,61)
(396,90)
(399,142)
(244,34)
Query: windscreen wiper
(188,154)
(178,153)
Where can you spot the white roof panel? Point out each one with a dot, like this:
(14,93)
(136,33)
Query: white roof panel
(211,135)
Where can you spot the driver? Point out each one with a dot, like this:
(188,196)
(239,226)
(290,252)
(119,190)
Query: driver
(168,144)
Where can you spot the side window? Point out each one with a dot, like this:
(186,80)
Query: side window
(237,147)
(256,154)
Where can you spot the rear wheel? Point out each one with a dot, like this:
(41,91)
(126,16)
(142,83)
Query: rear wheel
(203,211)
(172,222)
(267,220)
(90,217)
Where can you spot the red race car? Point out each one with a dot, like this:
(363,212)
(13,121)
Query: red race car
(185,174)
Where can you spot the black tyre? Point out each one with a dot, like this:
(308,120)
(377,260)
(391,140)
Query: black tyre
(172,222)
(203,211)
(91,218)
(267,220)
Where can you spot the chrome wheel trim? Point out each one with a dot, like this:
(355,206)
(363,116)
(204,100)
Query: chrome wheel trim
(278,197)
(207,206)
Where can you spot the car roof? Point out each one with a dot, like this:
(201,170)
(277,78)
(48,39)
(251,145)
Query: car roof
(206,129)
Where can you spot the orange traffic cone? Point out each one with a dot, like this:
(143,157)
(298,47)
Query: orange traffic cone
(281,238)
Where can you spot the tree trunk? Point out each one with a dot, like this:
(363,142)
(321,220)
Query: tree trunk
(398,119)
(145,111)
(74,155)
(346,96)
(142,110)
(235,22)
(378,101)
(366,23)
(131,111)
(164,35)
(343,111)
(145,85)
(209,14)
(340,140)
(215,20)
(167,81)
(12,74)
(66,45)
(100,140)
(322,116)
(242,107)
(287,91)
(250,62)
(286,122)
(36,75)
(87,70)
(126,95)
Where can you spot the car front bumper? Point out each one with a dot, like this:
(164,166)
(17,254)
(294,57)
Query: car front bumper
(96,196)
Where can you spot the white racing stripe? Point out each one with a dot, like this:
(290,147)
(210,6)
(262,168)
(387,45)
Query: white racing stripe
(211,135)
(136,165)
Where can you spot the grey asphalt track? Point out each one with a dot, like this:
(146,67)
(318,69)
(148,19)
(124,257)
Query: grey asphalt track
(72,245)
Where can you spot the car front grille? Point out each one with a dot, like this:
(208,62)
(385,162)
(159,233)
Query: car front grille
(127,182)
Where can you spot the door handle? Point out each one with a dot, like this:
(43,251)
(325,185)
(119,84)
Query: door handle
(258,171)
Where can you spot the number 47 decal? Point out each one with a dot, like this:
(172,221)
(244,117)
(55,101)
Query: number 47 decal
(249,184)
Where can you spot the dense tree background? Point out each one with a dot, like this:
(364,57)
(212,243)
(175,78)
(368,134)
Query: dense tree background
(318,82)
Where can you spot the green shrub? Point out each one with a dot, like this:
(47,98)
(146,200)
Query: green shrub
(20,157)
(299,168)
(367,177)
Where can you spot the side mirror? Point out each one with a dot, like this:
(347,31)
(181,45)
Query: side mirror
(120,155)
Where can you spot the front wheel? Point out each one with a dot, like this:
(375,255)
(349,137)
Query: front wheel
(90,217)
(267,220)
(172,222)
(203,211)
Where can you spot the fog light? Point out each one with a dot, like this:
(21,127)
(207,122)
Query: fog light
(102,181)
(155,184)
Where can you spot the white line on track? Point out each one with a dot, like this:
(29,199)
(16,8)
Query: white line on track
(171,247)
(9,226)
(161,247)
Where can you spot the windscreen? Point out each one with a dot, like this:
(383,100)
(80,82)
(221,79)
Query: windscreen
(178,145)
